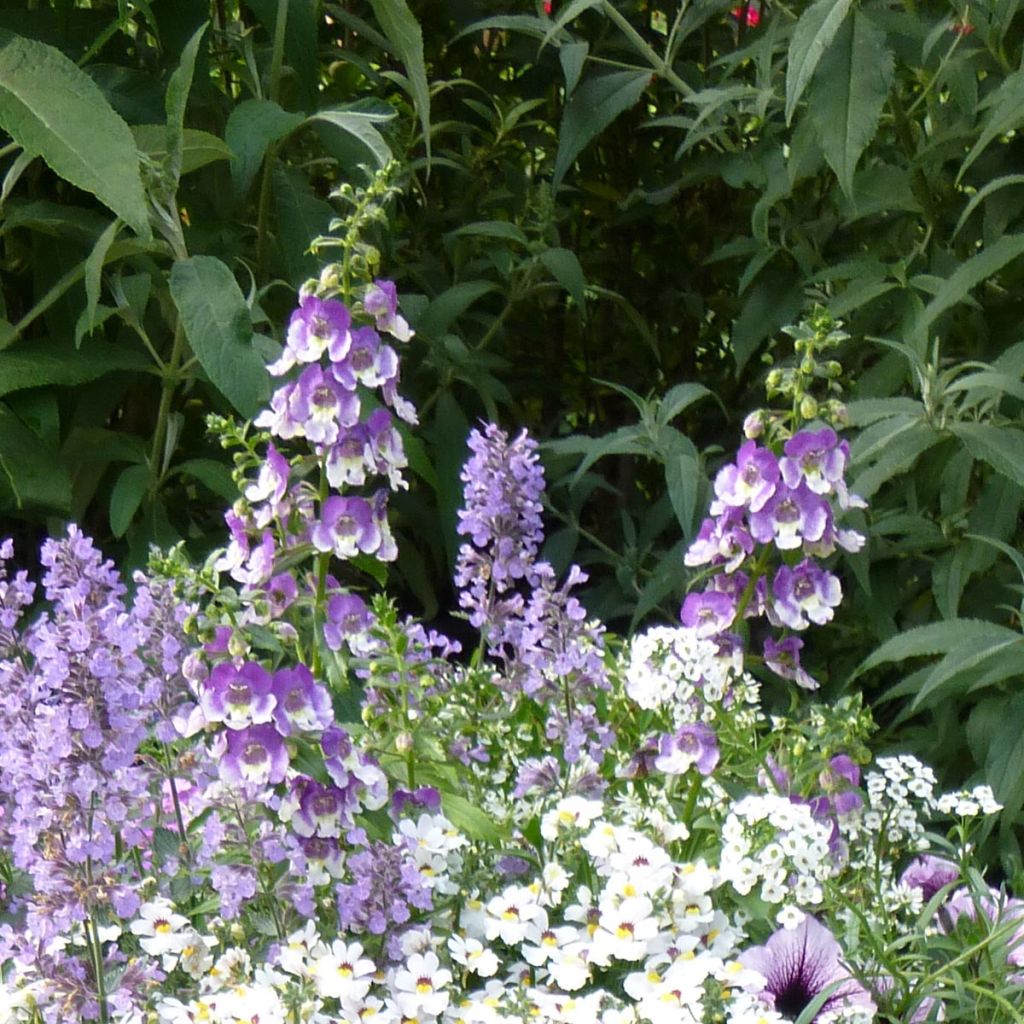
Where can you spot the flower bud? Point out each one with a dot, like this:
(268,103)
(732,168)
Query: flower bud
(404,742)
(807,366)
(808,407)
(753,425)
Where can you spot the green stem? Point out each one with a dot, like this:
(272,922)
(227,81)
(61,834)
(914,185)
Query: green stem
(277,58)
(660,66)
(170,384)
(92,939)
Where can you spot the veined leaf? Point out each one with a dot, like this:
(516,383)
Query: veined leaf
(593,106)
(406,39)
(219,329)
(850,87)
(815,30)
(30,468)
(989,382)
(572,56)
(1007,104)
(198,148)
(491,229)
(1001,447)
(971,665)
(451,304)
(680,397)
(253,126)
(361,125)
(978,268)
(904,443)
(936,638)
(175,103)
(53,109)
(47,363)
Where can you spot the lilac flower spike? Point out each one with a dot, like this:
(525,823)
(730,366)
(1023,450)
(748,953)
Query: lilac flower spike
(801,963)
(750,481)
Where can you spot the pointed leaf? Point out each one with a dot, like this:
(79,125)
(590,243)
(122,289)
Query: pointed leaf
(850,88)
(361,125)
(30,468)
(682,477)
(175,102)
(126,497)
(253,126)
(680,397)
(564,266)
(900,445)
(48,363)
(571,56)
(219,329)
(406,39)
(593,106)
(936,638)
(53,109)
(451,304)
(1007,103)
(198,148)
(1001,447)
(812,36)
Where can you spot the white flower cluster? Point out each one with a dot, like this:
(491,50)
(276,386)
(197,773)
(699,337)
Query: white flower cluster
(969,803)
(900,797)
(664,665)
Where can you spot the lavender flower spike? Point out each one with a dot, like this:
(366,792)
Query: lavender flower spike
(801,963)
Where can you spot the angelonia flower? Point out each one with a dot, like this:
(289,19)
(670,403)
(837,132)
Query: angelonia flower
(767,503)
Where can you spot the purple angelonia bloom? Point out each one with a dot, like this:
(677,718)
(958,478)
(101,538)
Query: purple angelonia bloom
(270,485)
(425,798)
(783,658)
(790,517)
(799,964)
(321,407)
(804,594)
(302,704)
(381,302)
(238,697)
(346,527)
(929,874)
(723,538)
(347,617)
(347,459)
(694,744)
(316,325)
(368,363)
(816,457)
(313,809)
(256,755)
(751,480)
(708,613)
(840,781)
(282,591)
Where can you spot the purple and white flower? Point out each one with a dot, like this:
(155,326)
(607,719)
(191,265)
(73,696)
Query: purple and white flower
(751,480)
(254,756)
(347,526)
(694,744)
(804,594)
(790,517)
(709,613)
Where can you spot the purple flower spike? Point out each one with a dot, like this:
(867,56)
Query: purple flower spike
(694,744)
(751,480)
(368,363)
(256,755)
(316,325)
(346,527)
(801,963)
(816,457)
(302,704)
(238,697)
(783,658)
(930,874)
(709,613)
(805,594)
(791,517)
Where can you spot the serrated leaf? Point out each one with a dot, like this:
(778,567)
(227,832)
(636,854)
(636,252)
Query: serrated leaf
(849,91)
(126,497)
(219,329)
(51,108)
(360,124)
(178,88)
(406,39)
(564,266)
(812,36)
(970,273)
(47,363)
(593,106)
(572,56)
(935,638)
(253,126)
(1001,447)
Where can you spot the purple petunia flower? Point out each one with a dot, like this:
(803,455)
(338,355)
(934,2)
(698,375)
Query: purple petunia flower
(929,874)
(750,481)
(708,613)
(804,594)
(799,964)
(840,781)
(694,744)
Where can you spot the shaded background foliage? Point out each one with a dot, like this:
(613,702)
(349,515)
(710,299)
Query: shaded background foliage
(608,215)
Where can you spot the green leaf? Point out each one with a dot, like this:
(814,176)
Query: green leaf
(450,305)
(572,56)
(178,88)
(970,273)
(213,474)
(679,398)
(1004,765)
(53,109)
(198,148)
(403,33)
(812,36)
(1006,181)
(490,229)
(593,106)
(219,329)
(301,216)
(850,88)
(253,126)
(30,468)
(774,301)
(1007,103)
(935,638)
(94,276)
(564,267)
(126,497)
(1001,447)
(359,123)
(47,363)
(469,819)
(987,384)
(899,441)
(682,477)
(300,40)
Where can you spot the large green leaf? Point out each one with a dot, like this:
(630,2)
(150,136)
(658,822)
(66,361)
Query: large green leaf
(198,148)
(253,126)
(126,497)
(53,109)
(937,638)
(849,90)
(565,268)
(301,217)
(895,443)
(48,363)
(175,102)
(1001,447)
(361,125)
(972,272)
(1007,103)
(812,36)
(300,39)
(29,469)
(406,41)
(219,329)
(593,106)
